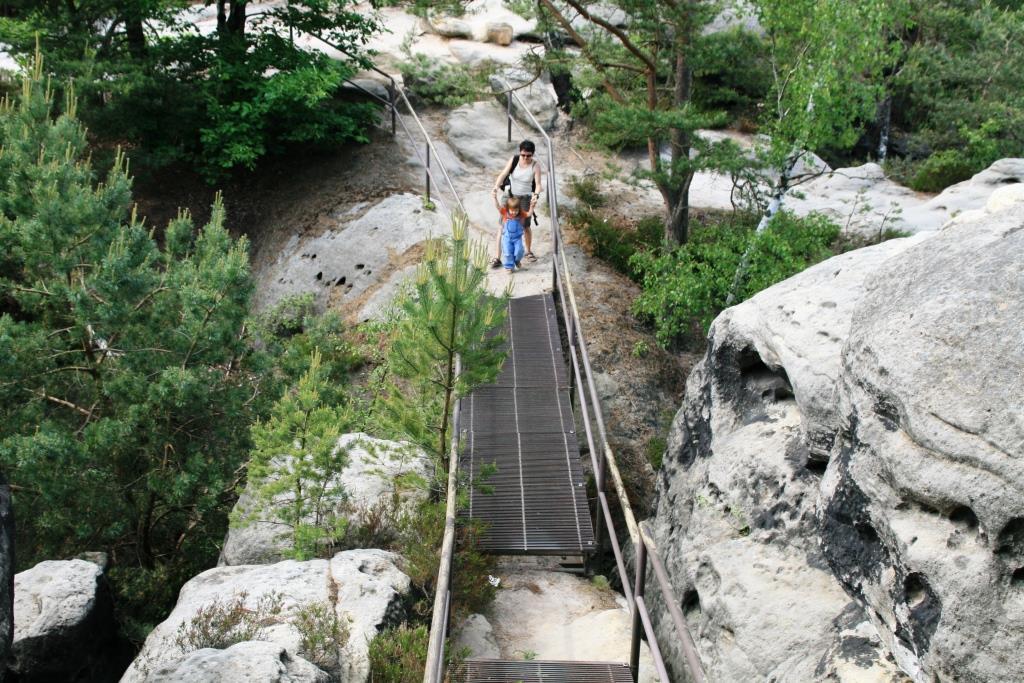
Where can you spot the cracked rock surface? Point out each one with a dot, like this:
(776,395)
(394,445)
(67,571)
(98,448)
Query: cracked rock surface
(364,588)
(843,491)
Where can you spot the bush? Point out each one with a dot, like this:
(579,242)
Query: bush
(399,655)
(449,85)
(614,244)
(222,624)
(683,290)
(323,634)
(941,170)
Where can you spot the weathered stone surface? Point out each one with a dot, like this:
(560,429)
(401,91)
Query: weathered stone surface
(532,94)
(554,615)
(377,470)
(475,132)
(63,622)
(842,494)
(500,33)
(476,635)
(364,587)
(348,259)
(923,508)
(446,26)
(863,200)
(6,572)
(736,506)
(248,662)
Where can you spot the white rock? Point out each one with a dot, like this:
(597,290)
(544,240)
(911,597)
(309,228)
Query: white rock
(446,26)
(63,619)
(737,498)
(472,53)
(476,635)
(533,95)
(475,132)
(553,615)
(1005,197)
(377,470)
(351,257)
(923,507)
(365,588)
(247,662)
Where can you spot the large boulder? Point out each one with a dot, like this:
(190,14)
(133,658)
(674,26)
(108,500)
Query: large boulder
(533,95)
(477,134)
(63,622)
(378,473)
(865,201)
(363,589)
(923,506)
(842,493)
(736,506)
(348,257)
(245,662)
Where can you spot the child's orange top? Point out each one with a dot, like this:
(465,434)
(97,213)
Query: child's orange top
(504,213)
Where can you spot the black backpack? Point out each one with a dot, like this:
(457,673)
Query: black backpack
(506,183)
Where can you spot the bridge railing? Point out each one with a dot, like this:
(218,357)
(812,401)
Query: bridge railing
(602,457)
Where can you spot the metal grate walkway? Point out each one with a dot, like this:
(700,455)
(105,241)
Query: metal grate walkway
(497,671)
(523,423)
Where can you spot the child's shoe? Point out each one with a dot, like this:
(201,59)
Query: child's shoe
(519,265)
(495,263)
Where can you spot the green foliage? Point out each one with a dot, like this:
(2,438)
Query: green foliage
(684,289)
(399,655)
(616,245)
(125,394)
(220,101)
(433,81)
(295,465)
(732,72)
(322,633)
(222,623)
(827,60)
(447,315)
(587,189)
(656,447)
(959,92)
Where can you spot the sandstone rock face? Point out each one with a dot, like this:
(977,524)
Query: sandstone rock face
(350,256)
(736,505)
(923,506)
(842,494)
(364,588)
(470,124)
(247,662)
(376,472)
(63,621)
(863,200)
(6,572)
(535,95)
(500,33)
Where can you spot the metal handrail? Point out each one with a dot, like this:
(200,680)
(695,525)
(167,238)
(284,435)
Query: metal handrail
(640,536)
(434,666)
(394,89)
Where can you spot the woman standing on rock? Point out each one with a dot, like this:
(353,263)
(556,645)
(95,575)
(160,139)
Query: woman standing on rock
(522,177)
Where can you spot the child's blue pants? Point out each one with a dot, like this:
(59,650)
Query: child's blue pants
(512,248)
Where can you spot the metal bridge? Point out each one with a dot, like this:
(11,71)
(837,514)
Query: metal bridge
(525,423)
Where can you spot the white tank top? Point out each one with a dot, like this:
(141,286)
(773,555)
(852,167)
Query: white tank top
(522,179)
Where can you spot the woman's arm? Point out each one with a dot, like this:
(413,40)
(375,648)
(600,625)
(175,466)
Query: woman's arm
(501,176)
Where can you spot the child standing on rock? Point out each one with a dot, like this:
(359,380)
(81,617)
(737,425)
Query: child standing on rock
(513,221)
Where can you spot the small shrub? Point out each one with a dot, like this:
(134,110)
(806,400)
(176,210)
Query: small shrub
(586,189)
(656,447)
(683,290)
(222,624)
(941,170)
(399,655)
(449,85)
(323,634)
(616,245)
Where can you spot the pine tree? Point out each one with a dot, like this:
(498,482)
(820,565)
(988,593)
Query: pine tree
(448,315)
(124,399)
(296,463)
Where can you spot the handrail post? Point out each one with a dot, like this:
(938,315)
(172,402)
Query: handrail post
(638,592)
(394,113)
(428,174)
(508,113)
